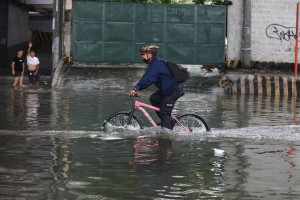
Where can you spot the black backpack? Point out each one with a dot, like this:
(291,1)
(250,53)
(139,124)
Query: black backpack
(179,73)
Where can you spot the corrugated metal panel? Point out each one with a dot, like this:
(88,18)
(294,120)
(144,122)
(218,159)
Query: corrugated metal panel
(114,32)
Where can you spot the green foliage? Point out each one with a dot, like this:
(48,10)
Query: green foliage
(212,2)
(199,1)
(221,2)
(148,1)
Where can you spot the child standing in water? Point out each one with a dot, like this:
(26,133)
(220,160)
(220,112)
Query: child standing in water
(33,66)
(18,67)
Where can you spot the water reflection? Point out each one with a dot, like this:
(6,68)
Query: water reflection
(152,164)
(47,109)
(163,169)
(60,107)
(26,168)
(289,158)
(148,150)
(32,107)
(17,107)
(247,111)
(263,181)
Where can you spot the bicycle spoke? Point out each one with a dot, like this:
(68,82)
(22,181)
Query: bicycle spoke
(192,122)
(119,120)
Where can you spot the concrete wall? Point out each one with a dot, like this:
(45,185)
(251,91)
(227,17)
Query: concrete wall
(3,33)
(17,25)
(41,24)
(17,31)
(234,30)
(273,25)
(270,32)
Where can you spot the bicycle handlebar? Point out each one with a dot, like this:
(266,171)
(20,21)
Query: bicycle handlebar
(135,96)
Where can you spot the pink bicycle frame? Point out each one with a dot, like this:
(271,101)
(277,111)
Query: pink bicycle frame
(139,105)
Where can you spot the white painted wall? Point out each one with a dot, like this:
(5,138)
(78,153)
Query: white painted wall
(273,30)
(273,24)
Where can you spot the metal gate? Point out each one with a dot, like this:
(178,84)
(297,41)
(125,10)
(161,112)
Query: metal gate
(114,32)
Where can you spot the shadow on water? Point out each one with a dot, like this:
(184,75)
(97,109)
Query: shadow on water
(52,145)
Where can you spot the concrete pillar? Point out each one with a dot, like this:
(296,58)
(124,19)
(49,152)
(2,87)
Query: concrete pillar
(59,44)
(56,34)
(239,33)
(234,31)
(67,29)
(246,34)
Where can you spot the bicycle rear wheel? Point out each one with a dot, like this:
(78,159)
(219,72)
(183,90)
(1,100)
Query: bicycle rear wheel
(119,120)
(193,122)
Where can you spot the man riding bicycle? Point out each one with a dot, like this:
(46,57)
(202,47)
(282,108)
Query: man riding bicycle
(158,73)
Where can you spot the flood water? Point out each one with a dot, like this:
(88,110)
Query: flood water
(52,147)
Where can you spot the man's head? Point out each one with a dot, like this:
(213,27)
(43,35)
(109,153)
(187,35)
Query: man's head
(20,53)
(32,53)
(148,51)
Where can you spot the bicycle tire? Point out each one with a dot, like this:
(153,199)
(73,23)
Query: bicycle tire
(119,120)
(193,122)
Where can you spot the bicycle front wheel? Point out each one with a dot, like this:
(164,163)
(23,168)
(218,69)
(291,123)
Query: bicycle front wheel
(193,122)
(120,119)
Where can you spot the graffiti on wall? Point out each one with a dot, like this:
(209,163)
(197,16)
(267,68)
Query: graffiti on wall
(280,32)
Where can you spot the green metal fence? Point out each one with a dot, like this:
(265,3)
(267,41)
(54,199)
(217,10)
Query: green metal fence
(114,32)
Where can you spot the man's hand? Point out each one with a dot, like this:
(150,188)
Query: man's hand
(13,72)
(29,47)
(132,93)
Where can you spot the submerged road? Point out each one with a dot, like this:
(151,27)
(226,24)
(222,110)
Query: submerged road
(52,144)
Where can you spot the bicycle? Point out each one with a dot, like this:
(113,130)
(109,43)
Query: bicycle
(189,122)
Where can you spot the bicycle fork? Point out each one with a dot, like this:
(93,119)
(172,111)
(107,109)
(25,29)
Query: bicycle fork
(130,117)
(181,125)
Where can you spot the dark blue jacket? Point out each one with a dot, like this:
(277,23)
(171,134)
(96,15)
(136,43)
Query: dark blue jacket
(158,73)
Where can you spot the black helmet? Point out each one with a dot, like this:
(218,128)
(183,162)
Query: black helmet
(149,48)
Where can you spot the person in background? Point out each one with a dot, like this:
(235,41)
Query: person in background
(33,66)
(18,67)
